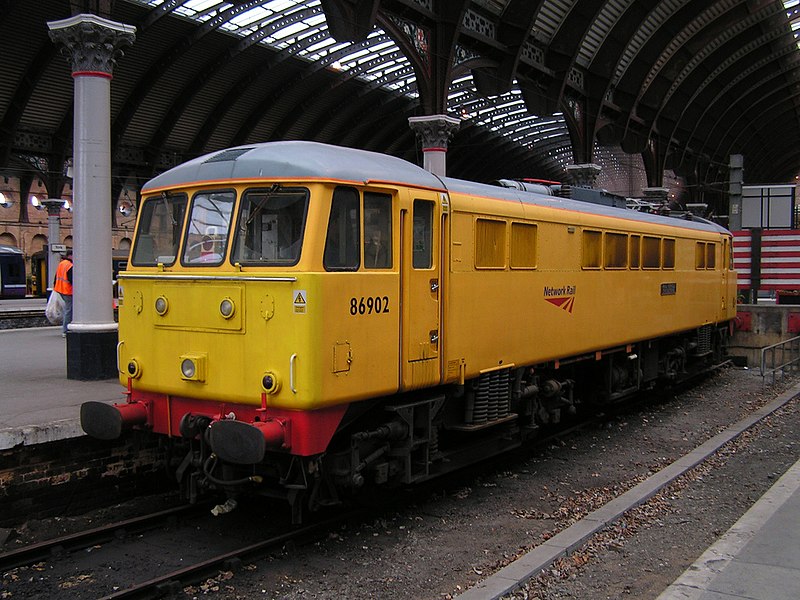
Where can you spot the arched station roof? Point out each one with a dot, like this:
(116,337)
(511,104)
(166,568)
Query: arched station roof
(638,87)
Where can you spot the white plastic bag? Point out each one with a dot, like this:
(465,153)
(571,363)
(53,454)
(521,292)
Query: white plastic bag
(55,309)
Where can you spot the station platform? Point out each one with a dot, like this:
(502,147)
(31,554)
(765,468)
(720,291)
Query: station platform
(759,556)
(39,404)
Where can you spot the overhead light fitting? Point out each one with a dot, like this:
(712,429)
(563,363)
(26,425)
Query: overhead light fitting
(126,208)
(50,203)
(5,201)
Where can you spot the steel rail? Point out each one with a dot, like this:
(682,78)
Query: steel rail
(39,551)
(170,583)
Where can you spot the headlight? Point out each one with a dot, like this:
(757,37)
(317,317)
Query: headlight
(188,368)
(227,308)
(162,305)
(193,366)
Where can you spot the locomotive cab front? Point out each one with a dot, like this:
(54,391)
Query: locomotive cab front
(227,288)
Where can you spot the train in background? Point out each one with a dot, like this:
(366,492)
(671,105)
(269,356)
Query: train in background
(12,272)
(41,281)
(305,320)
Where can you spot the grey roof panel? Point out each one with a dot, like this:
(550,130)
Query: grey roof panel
(503,193)
(296,159)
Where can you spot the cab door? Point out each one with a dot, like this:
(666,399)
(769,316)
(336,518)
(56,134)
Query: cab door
(420,289)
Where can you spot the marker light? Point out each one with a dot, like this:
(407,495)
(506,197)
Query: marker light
(270,382)
(133,368)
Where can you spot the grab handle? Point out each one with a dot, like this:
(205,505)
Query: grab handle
(119,347)
(292,361)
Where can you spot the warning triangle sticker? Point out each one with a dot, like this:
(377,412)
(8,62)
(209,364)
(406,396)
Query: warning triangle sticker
(299,299)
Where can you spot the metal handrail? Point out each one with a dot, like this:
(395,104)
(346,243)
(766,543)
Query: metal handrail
(790,347)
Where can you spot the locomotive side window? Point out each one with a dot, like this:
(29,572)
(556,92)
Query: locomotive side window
(711,256)
(651,252)
(209,224)
(705,255)
(423,234)
(523,246)
(490,244)
(159,230)
(592,249)
(635,251)
(728,256)
(342,239)
(668,256)
(700,255)
(271,224)
(616,251)
(377,231)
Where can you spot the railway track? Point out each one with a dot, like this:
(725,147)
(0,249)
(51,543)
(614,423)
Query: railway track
(18,318)
(34,557)
(173,582)
(33,553)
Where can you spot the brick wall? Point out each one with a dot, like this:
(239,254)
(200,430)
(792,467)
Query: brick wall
(760,325)
(76,475)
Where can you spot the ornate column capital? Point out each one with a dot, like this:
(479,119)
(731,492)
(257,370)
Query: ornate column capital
(434,131)
(53,206)
(91,43)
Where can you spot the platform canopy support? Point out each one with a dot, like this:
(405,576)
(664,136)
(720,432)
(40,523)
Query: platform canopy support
(92,44)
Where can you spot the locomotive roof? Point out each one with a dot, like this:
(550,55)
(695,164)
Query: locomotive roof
(302,160)
(296,159)
(491,191)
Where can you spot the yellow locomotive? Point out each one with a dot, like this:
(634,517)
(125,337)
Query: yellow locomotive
(312,319)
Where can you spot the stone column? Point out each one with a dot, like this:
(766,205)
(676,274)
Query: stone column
(433,132)
(53,207)
(584,175)
(92,45)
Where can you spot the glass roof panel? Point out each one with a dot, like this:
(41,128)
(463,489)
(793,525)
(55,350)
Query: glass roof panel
(197,6)
(301,26)
(792,8)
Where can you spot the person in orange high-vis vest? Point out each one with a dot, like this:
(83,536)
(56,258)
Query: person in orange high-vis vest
(63,285)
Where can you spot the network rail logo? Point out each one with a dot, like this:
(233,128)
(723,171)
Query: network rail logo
(562,297)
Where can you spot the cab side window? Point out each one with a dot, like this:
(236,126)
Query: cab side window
(423,234)
(343,239)
(377,231)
